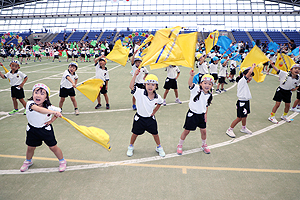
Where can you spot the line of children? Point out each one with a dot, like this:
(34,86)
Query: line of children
(68,83)
(39,128)
(243,103)
(102,73)
(17,80)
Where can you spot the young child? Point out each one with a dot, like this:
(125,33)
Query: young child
(39,128)
(232,69)
(67,85)
(47,53)
(17,81)
(139,80)
(243,103)
(200,99)
(88,55)
(102,73)
(37,56)
(69,55)
(213,67)
(171,82)
(148,102)
(272,56)
(222,76)
(296,106)
(289,81)
(75,54)
(82,55)
(55,55)
(202,65)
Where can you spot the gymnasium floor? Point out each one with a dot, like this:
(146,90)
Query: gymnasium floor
(265,165)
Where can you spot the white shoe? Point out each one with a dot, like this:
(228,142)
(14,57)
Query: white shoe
(160,151)
(295,110)
(245,130)
(178,101)
(285,119)
(130,151)
(230,133)
(164,103)
(273,119)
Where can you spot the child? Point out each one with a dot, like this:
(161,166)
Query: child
(39,128)
(56,55)
(272,56)
(88,55)
(47,53)
(139,80)
(23,55)
(148,102)
(222,76)
(289,81)
(296,106)
(102,73)
(67,85)
(202,65)
(213,67)
(69,54)
(82,55)
(243,103)
(171,82)
(200,99)
(232,69)
(38,55)
(75,54)
(17,81)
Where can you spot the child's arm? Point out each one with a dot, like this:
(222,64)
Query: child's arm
(97,59)
(155,109)
(106,85)
(250,71)
(178,73)
(131,85)
(190,82)
(45,110)
(205,115)
(133,56)
(76,80)
(73,84)
(24,81)
(294,89)
(51,121)
(275,68)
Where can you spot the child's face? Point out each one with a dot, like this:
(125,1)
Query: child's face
(295,70)
(14,67)
(39,96)
(206,86)
(150,87)
(72,69)
(102,63)
(137,63)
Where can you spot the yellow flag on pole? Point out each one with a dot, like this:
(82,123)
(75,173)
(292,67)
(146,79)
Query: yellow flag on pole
(283,62)
(258,57)
(258,75)
(93,133)
(147,40)
(119,54)
(91,88)
(6,70)
(211,41)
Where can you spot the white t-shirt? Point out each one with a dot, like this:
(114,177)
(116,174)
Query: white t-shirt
(37,119)
(243,91)
(286,81)
(101,73)
(65,83)
(202,68)
(222,71)
(140,77)
(16,78)
(232,64)
(172,71)
(198,107)
(144,105)
(213,68)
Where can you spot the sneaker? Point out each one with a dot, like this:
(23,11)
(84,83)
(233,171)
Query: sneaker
(160,151)
(205,149)
(179,149)
(230,133)
(107,106)
(223,90)
(218,91)
(178,101)
(164,103)
(24,112)
(62,165)
(134,107)
(285,119)
(225,83)
(14,111)
(130,151)
(295,110)
(98,106)
(273,119)
(25,166)
(76,111)
(245,130)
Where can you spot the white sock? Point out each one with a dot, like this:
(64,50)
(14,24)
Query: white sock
(181,142)
(203,142)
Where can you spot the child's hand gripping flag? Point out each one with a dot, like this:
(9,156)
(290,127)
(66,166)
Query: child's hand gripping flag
(93,133)
(258,57)
(91,88)
(6,70)
(119,54)
(211,41)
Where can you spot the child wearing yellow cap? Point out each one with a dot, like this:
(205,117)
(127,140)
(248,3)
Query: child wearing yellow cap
(200,99)
(148,102)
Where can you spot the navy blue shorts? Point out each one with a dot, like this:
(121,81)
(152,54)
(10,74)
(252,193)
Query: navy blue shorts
(221,79)
(298,93)
(193,120)
(17,92)
(64,92)
(103,90)
(142,124)
(170,83)
(242,108)
(282,95)
(36,136)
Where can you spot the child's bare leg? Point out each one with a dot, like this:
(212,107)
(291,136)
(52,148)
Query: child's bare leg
(98,98)
(23,102)
(277,104)
(166,93)
(133,138)
(156,139)
(296,103)
(30,152)
(106,98)
(61,102)
(287,107)
(176,93)
(235,122)
(184,134)
(203,133)
(133,100)
(57,151)
(15,103)
(244,119)
(74,101)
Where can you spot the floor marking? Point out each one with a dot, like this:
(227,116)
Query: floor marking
(137,162)
(184,171)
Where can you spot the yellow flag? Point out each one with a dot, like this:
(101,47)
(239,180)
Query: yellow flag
(119,54)
(211,41)
(147,40)
(258,75)
(283,62)
(6,71)
(93,133)
(255,56)
(187,43)
(91,88)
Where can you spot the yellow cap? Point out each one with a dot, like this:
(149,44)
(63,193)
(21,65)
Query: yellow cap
(198,55)
(207,77)
(151,78)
